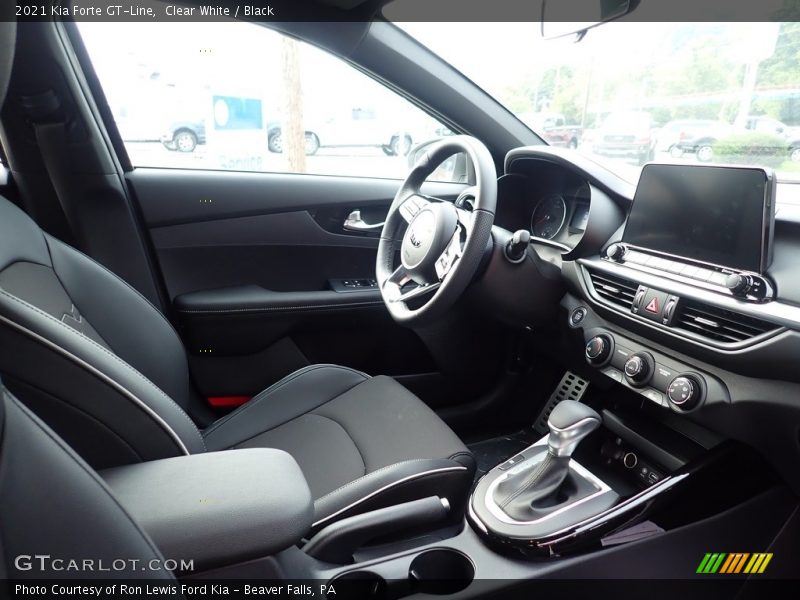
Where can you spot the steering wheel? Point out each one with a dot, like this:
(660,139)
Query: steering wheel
(442,245)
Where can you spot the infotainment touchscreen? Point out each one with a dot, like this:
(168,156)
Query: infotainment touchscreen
(719,215)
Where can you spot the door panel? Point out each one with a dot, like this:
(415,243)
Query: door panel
(254,265)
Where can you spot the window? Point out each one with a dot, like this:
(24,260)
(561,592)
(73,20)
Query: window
(237,96)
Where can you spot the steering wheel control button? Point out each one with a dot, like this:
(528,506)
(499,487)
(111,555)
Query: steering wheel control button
(411,207)
(684,392)
(448,258)
(577,316)
(598,349)
(639,368)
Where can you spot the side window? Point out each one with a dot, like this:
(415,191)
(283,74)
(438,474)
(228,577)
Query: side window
(237,96)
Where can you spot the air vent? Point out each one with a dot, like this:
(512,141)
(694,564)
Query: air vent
(718,324)
(614,289)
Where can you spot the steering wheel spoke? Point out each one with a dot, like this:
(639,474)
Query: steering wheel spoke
(465,219)
(450,256)
(412,205)
(393,287)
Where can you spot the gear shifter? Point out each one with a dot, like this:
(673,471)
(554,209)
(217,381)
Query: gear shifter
(542,482)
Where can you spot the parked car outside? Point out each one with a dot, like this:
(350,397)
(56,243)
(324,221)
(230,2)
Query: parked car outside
(357,128)
(626,134)
(554,129)
(767,124)
(184,136)
(692,136)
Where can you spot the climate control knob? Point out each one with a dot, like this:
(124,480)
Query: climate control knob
(638,368)
(684,392)
(598,349)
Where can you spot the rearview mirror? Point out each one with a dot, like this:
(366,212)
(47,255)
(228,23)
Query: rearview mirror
(567,17)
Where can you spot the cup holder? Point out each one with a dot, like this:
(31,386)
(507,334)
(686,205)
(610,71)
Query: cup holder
(359,584)
(441,572)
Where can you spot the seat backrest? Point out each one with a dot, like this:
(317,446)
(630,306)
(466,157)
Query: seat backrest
(56,513)
(87,353)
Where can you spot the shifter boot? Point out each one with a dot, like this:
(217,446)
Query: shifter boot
(517,493)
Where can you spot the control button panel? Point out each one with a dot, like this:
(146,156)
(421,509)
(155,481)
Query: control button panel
(663,381)
(747,286)
(355,284)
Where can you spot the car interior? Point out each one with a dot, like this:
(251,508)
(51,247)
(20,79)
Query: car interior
(537,370)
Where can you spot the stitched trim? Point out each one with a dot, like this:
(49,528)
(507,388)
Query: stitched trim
(86,415)
(105,378)
(466,453)
(347,433)
(381,470)
(111,355)
(384,488)
(531,479)
(273,388)
(202,311)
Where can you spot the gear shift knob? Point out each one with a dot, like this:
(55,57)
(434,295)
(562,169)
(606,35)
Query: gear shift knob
(569,423)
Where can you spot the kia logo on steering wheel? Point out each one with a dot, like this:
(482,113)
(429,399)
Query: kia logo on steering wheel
(413,239)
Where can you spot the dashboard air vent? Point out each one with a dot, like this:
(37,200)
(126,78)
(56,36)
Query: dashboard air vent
(614,289)
(718,324)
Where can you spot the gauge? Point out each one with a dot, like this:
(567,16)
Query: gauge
(548,217)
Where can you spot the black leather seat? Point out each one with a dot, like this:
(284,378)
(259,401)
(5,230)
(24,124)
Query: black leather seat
(109,374)
(77,517)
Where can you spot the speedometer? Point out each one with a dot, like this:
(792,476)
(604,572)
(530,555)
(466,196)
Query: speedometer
(548,217)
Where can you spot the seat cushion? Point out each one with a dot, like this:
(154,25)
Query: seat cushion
(362,442)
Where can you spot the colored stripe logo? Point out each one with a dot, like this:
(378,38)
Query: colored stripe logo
(733,563)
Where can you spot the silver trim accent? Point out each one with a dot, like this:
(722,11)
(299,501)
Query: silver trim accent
(386,487)
(566,439)
(598,520)
(546,242)
(474,518)
(103,377)
(354,222)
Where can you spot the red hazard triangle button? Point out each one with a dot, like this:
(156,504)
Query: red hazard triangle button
(652,306)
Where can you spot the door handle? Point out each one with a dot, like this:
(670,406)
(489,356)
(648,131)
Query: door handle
(354,222)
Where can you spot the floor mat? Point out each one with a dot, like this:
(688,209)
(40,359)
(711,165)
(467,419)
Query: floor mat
(490,453)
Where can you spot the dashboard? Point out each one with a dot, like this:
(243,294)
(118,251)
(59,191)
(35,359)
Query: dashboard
(678,333)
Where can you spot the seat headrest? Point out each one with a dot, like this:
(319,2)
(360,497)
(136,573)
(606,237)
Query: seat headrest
(8,31)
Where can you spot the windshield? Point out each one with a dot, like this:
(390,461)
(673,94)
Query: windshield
(629,92)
